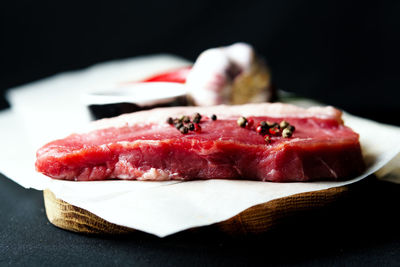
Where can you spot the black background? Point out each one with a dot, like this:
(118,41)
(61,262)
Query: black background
(339,52)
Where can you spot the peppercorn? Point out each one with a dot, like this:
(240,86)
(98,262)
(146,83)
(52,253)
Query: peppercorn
(274,130)
(197,128)
(184,129)
(263,124)
(260,129)
(196,118)
(286,133)
(214,117)
(170,120)
(242,121)
(176,121)
(250,122)
(283,124)
(291,128)
(267,139)
(178,125)
(269,124)
(186,119)
(191,126)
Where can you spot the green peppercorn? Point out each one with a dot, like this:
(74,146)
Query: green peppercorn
(191,126)
(214,117)
(283,124)
(267,139)
(286,133)
(184,129)
(242,121)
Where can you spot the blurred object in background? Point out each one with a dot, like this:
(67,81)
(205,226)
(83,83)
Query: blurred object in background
(229,75)
(233,74)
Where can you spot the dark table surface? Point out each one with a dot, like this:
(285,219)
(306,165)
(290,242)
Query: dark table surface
(362,228)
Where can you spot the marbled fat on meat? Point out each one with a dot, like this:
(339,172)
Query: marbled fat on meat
(142,146)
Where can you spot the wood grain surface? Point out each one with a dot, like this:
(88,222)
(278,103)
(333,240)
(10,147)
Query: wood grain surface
(254,220)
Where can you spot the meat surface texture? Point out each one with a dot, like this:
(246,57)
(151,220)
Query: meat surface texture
(143,146)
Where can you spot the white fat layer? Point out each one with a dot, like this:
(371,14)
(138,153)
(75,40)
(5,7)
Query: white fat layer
(152,174)
(159,115)
(158,175)
(127,144)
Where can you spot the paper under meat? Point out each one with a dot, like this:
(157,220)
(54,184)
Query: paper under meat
(161,208)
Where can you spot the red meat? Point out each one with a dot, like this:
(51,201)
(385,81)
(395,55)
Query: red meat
(143,146)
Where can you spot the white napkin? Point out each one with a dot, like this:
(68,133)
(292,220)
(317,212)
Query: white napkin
(49,109)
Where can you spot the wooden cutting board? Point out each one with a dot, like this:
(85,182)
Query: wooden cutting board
(254,220)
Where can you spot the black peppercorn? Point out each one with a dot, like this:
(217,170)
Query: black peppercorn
(271,124)
(196,118)
(291,128)
(178,125)
(214,117)
(263,124)
(176,121)
(191,126)
(184,129)
(170,120)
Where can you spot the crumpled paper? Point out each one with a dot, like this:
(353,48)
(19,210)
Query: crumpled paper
(49,109)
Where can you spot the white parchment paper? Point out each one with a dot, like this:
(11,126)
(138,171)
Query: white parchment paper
(40,113)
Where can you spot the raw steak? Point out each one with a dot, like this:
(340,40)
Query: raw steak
(143,146)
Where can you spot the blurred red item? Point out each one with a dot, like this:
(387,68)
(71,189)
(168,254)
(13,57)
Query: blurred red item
(176,76)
